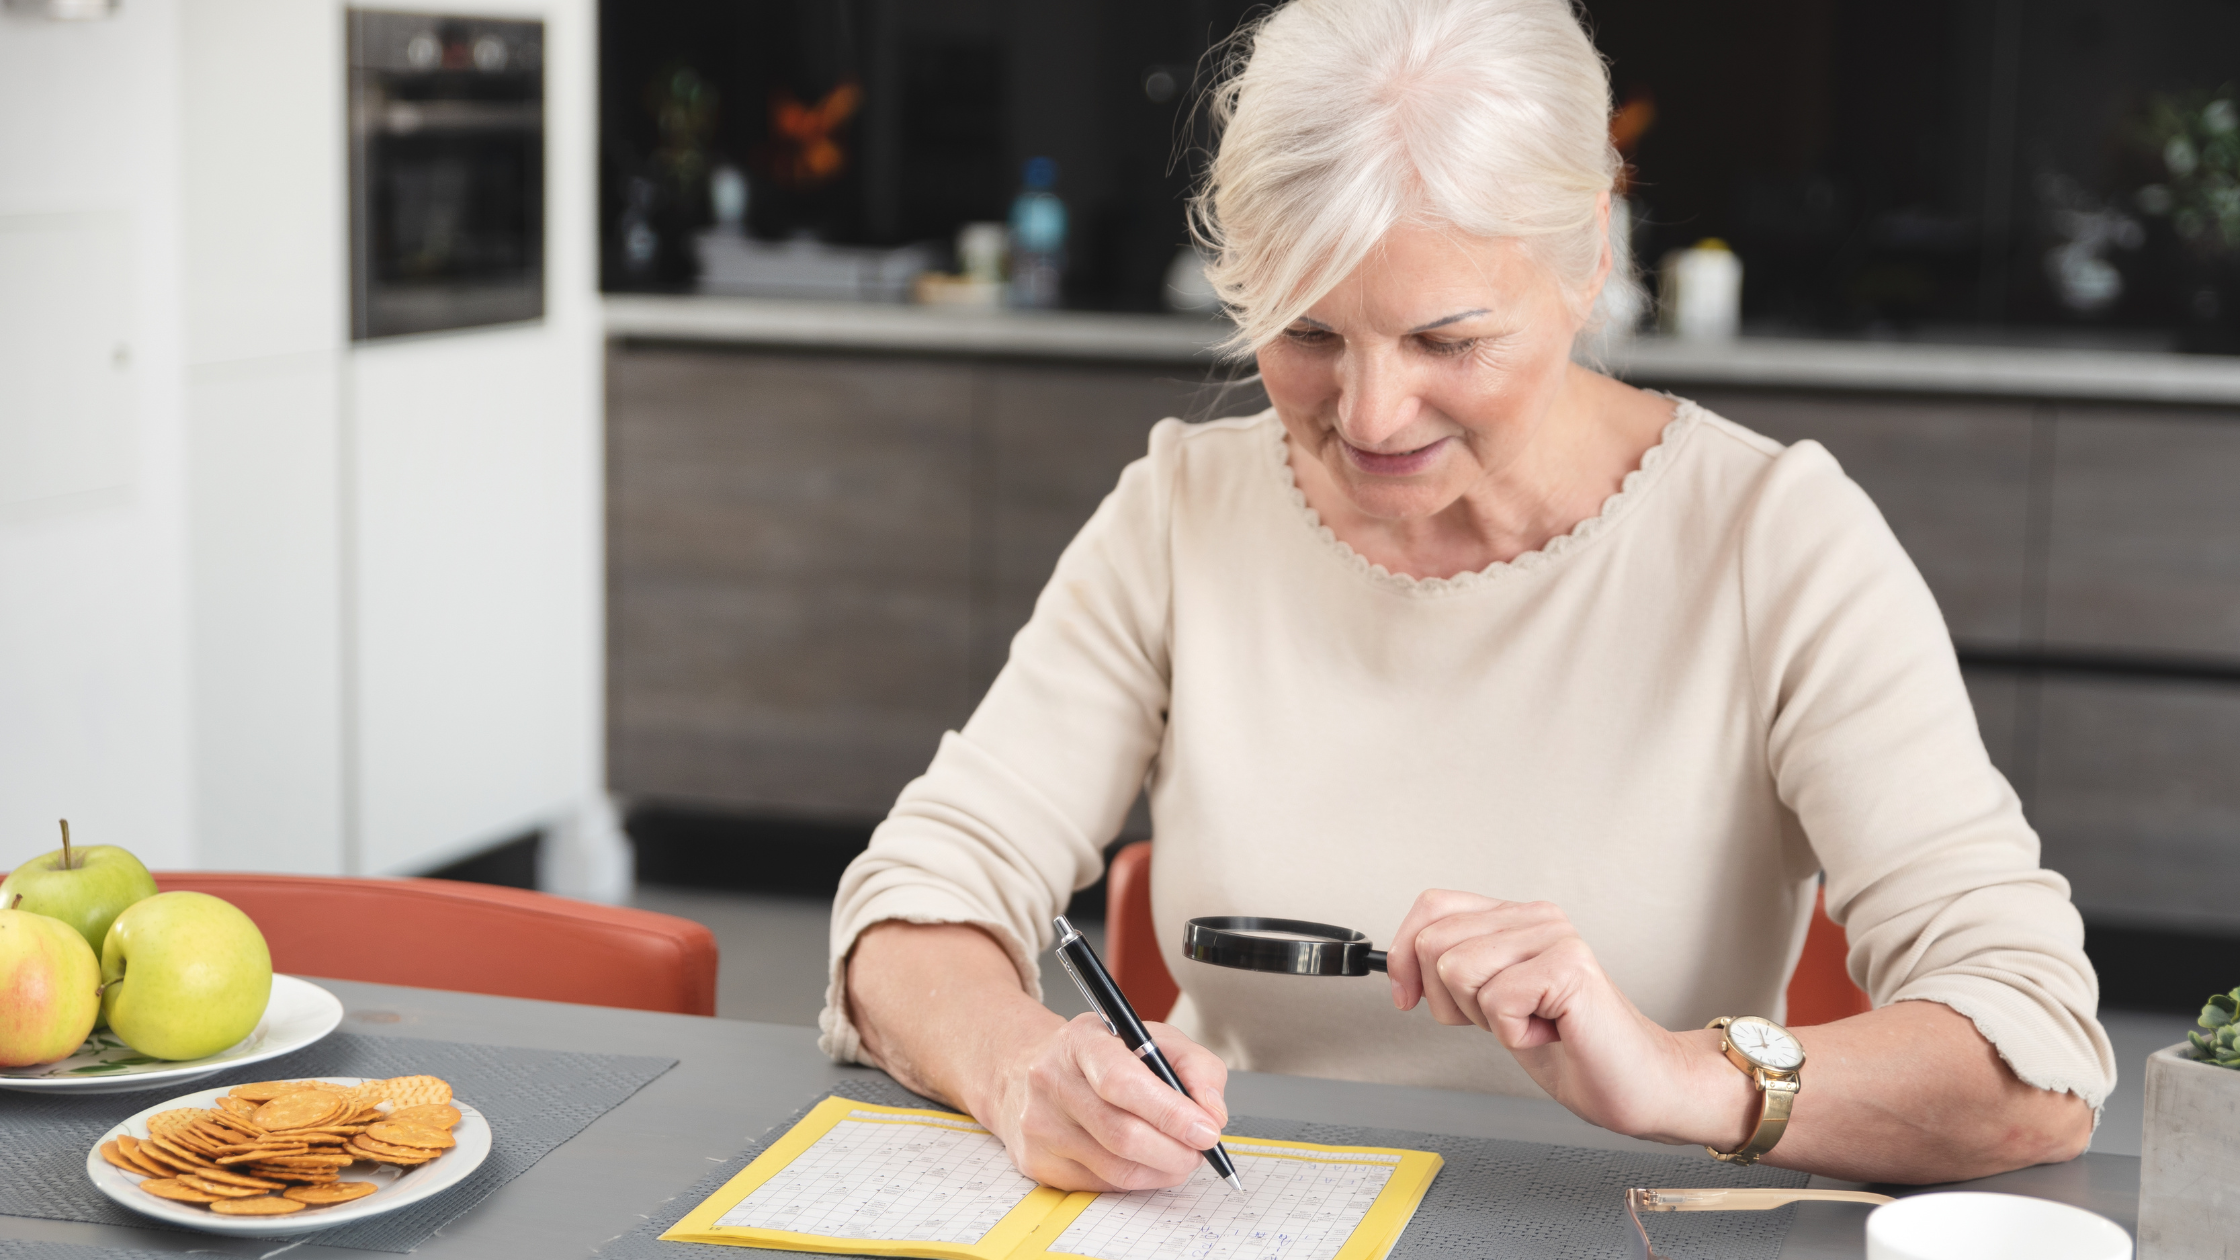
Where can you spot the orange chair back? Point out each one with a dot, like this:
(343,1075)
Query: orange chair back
(472,938)
(1820,990)
(1131,950)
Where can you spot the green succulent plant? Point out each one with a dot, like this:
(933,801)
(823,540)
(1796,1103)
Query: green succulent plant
(2221,1045)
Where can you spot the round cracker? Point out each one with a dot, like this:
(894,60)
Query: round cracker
(176,1191)
(300,1110)
(332,1192)
(217,1189)
(234,1177)
(110,1152)
(263,1205)
(411,1091)
(164,1121)
(392,1157)
(427,1115)
(419,1135)
(264,1091)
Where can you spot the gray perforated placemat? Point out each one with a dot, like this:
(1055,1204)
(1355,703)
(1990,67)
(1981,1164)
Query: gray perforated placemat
(533,1099)
(1493,1199)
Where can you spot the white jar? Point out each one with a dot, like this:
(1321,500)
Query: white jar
(1699,294)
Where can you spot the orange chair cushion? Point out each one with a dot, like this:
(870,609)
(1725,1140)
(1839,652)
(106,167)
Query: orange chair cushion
(1820,990)
(472,938)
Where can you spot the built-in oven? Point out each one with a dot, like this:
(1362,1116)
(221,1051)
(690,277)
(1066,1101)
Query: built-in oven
(446,172)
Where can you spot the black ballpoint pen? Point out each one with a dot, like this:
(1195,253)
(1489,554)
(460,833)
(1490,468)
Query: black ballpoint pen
(1089,976)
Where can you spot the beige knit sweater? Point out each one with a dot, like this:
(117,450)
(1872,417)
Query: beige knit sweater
(1668,722)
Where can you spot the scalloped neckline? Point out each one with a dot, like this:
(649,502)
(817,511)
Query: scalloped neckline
(1630,490)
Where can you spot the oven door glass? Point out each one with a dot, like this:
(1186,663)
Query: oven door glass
(446,173)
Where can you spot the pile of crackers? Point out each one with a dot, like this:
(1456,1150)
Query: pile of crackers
(278,1147)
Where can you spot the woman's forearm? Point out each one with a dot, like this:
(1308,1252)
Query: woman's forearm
(940,1008)
(1913,1093)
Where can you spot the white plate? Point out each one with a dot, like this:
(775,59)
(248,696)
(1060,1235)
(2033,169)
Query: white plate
(297,1014)
(399,1187)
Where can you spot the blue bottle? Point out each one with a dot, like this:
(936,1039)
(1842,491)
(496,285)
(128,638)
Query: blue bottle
(1038,238)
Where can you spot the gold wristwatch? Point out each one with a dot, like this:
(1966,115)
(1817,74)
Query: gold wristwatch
(1770,1055)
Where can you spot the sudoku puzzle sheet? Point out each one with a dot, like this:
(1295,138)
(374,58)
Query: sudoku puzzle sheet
(895,1179)
(1296,1206)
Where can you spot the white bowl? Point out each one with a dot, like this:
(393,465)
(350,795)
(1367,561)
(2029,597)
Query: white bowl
(297,1014)
(400,1187)
(1973,1225)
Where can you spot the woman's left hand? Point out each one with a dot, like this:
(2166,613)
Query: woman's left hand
(1520,971)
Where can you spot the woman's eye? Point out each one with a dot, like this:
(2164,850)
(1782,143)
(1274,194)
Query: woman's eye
(1307,336)
(1447,348)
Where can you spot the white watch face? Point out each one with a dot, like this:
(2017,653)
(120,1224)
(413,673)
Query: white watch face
(1766,1042)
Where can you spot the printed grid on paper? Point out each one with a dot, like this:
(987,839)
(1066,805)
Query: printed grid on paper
(1293,1207)
(890,1178)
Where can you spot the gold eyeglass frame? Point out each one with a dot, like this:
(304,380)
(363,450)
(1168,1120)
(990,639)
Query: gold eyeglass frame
(1749,1200)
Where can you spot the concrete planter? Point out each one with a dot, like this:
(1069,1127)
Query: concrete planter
(2189,1177)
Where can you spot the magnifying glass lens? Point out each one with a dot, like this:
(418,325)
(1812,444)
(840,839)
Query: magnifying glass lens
(1295,947)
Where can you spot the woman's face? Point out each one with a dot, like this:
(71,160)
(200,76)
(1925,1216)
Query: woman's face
(1428,370)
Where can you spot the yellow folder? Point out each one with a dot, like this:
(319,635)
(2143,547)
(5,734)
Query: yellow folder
(856,1178)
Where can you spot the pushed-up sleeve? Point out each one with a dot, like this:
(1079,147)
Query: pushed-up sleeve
(1931,868)
(1013,815)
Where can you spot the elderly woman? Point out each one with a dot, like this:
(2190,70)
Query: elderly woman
(1614,679)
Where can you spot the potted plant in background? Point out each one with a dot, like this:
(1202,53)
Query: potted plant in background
(2189,1179)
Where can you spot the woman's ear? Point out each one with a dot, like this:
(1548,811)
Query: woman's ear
(1591,292)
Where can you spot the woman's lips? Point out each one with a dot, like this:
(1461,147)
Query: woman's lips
(1403,464)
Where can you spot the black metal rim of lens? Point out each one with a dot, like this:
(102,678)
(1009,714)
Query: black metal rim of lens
(1231,940)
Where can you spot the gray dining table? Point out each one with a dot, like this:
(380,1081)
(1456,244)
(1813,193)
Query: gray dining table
(735,1079)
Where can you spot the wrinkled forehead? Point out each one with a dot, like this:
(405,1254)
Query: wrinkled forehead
(1419,278)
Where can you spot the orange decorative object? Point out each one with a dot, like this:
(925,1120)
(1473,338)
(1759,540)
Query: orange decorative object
(806,131)
(1820,990)
(472,938)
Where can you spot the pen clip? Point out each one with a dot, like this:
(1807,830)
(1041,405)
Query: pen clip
(1086,995)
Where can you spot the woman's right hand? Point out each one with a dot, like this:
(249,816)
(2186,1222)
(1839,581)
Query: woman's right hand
(1079,1111)
(940,1007)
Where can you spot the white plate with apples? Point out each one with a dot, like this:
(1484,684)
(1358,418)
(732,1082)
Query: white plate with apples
(116,986)
(399,1187)
(297,1014)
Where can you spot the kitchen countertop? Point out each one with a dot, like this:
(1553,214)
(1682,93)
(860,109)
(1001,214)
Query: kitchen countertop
(1752,362)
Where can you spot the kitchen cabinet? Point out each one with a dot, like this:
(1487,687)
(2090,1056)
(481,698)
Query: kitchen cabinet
(817,563)
(2143,554)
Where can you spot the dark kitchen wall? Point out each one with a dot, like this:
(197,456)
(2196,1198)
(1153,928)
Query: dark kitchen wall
(1923,164)
(1883,167)
(956,96)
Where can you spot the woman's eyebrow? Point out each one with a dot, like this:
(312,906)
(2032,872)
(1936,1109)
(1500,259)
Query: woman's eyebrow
(1441,323)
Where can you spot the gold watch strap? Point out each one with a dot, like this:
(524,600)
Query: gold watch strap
(1776,1095)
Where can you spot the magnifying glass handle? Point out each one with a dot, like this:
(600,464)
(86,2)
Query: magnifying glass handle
(1376,960)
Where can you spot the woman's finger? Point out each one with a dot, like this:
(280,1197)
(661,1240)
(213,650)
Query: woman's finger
(1059,1151)
(1467,965)
(1202,1071)
(1129,1111)
(1403,962)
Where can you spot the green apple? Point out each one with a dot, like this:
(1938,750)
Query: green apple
(50,988)
(86,888)
(184,975)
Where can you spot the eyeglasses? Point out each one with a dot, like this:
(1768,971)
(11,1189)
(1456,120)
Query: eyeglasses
(1639,1201)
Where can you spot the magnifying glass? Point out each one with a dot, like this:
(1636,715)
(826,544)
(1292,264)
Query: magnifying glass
(1293,947)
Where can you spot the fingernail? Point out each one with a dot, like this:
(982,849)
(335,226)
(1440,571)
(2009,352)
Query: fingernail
(1203,1136)
(1220,1106)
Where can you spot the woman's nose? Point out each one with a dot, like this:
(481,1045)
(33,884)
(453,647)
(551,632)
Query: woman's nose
(1376,400)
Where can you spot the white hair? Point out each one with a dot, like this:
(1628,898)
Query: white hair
(1339,120)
